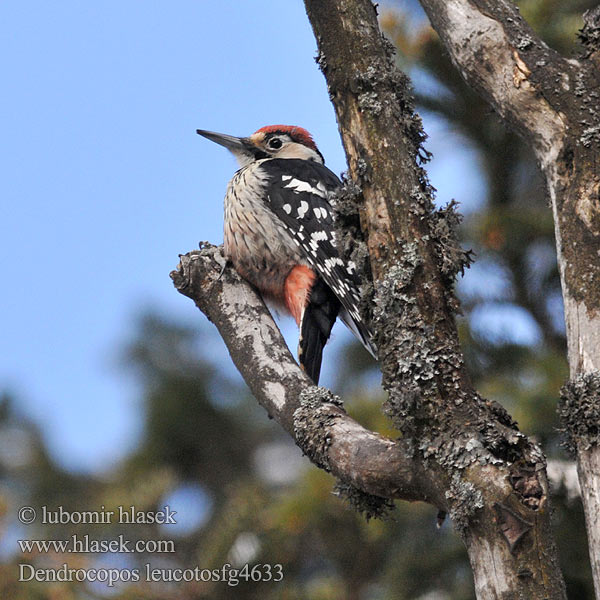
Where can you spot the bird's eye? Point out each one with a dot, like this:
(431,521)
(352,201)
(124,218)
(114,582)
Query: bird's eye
(275,143)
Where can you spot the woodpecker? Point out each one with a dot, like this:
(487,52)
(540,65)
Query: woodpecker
(279,235)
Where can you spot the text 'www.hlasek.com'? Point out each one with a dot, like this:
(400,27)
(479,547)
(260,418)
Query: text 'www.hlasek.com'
(92,546)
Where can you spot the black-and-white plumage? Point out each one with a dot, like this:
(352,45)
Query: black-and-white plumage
(299,193)
(279,233)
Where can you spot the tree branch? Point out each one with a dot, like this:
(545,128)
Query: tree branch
(311,415)
(553,103)
(501,57)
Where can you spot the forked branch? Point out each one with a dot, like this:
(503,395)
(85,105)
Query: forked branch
(312,415)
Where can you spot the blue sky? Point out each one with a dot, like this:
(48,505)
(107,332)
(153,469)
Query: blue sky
(104,181)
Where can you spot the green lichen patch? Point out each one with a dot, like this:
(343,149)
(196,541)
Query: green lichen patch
(350,243)
(464,500)
(368,505)
(312,420)
(579,411)
(589,35)
(452,259)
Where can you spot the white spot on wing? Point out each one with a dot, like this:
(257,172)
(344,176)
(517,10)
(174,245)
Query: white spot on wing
(321,188)
(302,209)
(287,208)
(302,186)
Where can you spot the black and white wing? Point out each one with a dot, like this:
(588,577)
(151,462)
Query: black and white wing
(298,192)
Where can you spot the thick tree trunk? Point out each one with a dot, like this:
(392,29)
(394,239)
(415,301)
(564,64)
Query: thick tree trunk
(499,500)
(555,104)
(580,414)
(457,451)
(588,462)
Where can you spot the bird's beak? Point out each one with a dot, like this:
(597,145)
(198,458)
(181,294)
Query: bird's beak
(242,148)
(233,144)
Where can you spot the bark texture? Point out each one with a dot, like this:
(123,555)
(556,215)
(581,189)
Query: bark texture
(497,492)
(554,102)
(458,451)
(381,468)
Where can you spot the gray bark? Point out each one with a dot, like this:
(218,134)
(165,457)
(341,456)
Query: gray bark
(312,415)
(499,502)
(588,464)
(554,103)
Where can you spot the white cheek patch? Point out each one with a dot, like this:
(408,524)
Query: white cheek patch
(296,150)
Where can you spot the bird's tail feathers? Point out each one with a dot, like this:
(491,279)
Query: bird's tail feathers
(315,328)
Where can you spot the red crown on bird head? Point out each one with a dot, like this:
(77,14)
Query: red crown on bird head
(298,134)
